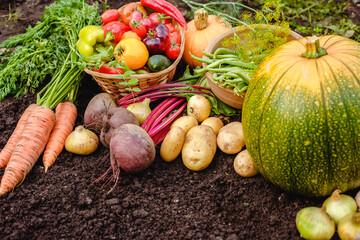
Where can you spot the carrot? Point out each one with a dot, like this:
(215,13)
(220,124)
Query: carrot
(8,149)
(29,147)
(65,114)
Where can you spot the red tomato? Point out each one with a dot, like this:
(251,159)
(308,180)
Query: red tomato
(170,27)
(148,23)
(175,37)
(173,51)
(110,15)
(159,18)
(135,16)
(138,28)
(128,9)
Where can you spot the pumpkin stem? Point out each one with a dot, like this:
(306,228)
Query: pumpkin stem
(313,49)
(201,19)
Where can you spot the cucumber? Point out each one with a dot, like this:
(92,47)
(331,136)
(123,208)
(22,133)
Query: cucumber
(158,63)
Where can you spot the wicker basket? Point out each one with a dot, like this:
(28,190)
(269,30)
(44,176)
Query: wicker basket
(111,85)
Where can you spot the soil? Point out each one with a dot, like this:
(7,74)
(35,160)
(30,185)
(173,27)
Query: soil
(167,201)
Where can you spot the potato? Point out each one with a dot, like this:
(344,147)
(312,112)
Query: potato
(185,122)
(172,144)
(213,122)
(199,148)
(243,164)
(230,138)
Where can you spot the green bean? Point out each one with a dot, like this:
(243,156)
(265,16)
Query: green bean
(204,60)
(223,51)
(240,63)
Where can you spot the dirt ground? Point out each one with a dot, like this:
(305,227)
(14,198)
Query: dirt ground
(167,201)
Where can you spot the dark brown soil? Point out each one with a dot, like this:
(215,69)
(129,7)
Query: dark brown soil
(167,201)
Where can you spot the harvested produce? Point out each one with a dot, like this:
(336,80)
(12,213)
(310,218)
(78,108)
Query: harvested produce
(35,56)
(339,205)
(185,123)
(214,122)
(349,227)
(128,9)
(110,15)
(199,148)
(157,39)
(244,166)
(199,107)
(132,52)
(82,141)
(230,138)
(166,7)
(114,30)
(89,36)
(300,116)
(131,149)
(96,109)
(172,144)
(141,110)
(8,149)
(113,119)
(314,223)
(201,30)
(65,116)
(158,62)
(108,70)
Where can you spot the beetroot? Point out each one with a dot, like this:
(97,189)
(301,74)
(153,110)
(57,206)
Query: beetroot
(114,118)
(98,106)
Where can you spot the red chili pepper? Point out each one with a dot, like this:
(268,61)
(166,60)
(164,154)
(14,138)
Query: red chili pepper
(114,30)
(108,70)
(167,8)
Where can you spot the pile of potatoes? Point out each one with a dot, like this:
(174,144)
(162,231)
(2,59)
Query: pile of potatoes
(197,141)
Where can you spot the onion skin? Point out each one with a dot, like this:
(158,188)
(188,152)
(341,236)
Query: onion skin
(141,110)
(314,223)
(349,227)
(339,205)
(81,141)
(199,107)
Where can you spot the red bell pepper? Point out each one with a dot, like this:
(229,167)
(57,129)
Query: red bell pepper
(108,70)
(114,30)
(167,8)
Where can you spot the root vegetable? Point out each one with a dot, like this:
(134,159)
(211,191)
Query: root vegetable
(172,144)
(131,149)
(199,148)
(185,123)
(114,118)
(141,110)
(81,141)
(96,109)
(244,166)
(199,107)
(213,122)
(230,138)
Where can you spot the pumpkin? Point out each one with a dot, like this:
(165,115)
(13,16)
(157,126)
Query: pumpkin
(201,30)
(301,116)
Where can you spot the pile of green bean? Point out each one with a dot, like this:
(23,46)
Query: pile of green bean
(227,70)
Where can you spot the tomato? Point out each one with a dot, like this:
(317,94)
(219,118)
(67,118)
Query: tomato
(139,29)
(110,15)
(173,51)
(170,27)
(132,52)
(128,9)
(130,34)
(148,23)
(108,70)
(159,18)
(135,16)
(175,37)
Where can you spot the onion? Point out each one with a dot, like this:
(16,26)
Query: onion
(339,205)
(199,107)
(349,227)
(141,110)
(81,141)
(315,223)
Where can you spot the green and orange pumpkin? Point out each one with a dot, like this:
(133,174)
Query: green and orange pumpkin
(301,116)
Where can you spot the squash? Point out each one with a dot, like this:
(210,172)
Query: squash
(201,30)
(301,116)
